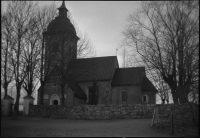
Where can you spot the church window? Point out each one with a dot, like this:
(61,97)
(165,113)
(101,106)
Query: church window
(145,98)
(91,95)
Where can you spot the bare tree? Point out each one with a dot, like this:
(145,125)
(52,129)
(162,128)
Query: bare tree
(166,36)
(125,56)
(162,87)
(85,48)
(32,56)
(131,59)
(6,42)
(21,13)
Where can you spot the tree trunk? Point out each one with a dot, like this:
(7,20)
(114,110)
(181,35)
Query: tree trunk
(62,94)
(167,101)
(16,106)
(6,90)
(183,96)
(163,101)
(175,96)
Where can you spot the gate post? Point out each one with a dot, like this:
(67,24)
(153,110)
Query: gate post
(7,105)
(27,101)
(172,123)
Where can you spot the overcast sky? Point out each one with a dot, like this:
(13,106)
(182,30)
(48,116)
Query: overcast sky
(102,21)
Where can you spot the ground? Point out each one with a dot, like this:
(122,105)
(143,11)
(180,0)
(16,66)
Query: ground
(40,127)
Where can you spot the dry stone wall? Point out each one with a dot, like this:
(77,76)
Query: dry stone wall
(183,112)
(185,119)
(186,111)
(93,111)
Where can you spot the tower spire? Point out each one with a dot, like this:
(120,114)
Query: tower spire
(63,10)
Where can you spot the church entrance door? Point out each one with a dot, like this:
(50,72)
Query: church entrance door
(55,100)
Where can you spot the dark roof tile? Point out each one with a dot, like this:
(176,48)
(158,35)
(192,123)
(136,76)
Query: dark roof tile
(128,76)
(89,69)
(147,85)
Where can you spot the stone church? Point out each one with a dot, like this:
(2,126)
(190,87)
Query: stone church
(113,85)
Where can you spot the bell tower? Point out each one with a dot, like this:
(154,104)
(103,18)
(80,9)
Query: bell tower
(60,40)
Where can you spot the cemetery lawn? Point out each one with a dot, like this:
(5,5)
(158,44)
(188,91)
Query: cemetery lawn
(47,127)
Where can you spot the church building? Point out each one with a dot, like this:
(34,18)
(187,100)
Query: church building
(97,80)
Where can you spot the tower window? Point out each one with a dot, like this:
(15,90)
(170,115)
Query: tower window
(71,47)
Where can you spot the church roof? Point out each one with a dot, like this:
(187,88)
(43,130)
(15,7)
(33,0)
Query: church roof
(132,76)
(61,24)
(77,89)
(97,68)
(147,85)
(128,76)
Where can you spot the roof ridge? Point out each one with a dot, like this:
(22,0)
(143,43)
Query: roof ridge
(97,57)
(131,67)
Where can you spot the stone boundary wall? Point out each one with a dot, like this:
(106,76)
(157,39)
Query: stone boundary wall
(186,111)
(186,119)
(93,111)
(180,111)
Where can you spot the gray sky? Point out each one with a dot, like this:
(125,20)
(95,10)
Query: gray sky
(102,21)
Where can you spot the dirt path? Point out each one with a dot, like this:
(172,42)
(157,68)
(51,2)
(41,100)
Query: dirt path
(39,127)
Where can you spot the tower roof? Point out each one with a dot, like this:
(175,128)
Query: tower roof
(61,23)
(63,6)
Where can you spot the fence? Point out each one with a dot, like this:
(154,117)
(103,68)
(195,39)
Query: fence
(176,119)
